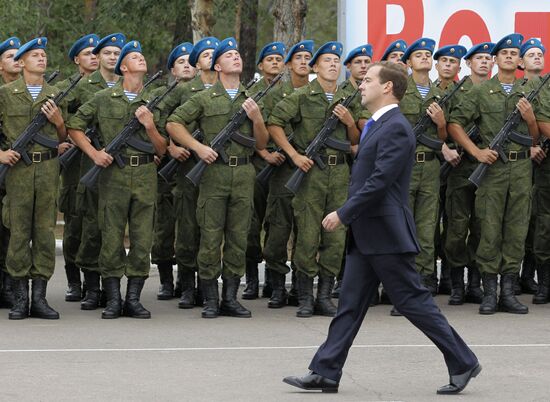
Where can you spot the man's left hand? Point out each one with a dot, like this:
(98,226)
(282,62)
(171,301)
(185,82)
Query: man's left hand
(332,222)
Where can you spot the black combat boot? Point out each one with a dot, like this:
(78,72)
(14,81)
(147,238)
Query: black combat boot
(39,305)
(132,306)
(430,283)
(230,306)
(7,296)
(279,295)
(166,275)
(543,275)
(91,298)
(103,295)
(20,307)
(251,291)
(507,301)
(323,304)
(445,282)
(457,294)
(293,293)
(113,305)
(489,301)
(211,307)
(305,295)
(527,278)
(187,299)
(336,290)
(267,289)
(384,297)
(74,284)
(474,293)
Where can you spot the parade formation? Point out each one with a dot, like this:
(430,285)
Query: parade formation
(214,175)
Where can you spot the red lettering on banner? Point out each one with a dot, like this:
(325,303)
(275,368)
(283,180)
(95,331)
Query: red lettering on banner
(413,26)
(535,25)
(464,23)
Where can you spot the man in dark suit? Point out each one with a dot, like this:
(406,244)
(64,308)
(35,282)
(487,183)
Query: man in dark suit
(382,244)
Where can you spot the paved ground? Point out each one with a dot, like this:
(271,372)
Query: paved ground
(179,356)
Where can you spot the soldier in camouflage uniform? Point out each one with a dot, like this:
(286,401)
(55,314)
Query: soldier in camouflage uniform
(125,195)
(270,63)
(318,253)
(462,234)
(226,189)
(503,199)
(30,202)
(9,71)
(81,54)
(279,214)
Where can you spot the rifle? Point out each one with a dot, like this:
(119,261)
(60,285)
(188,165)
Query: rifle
(126,137)
(168,171)
(321,140)
(31,134)
(507,134)
(446,167)
(265,174)
(52,76)
(229,132)
(420,127)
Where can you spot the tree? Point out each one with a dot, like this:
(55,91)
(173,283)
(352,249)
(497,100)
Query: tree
(202,19)
(246,27)
(289,26)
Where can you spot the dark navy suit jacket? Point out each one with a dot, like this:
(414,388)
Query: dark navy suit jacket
(377,210)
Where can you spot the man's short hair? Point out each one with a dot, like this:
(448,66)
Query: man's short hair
(395,73)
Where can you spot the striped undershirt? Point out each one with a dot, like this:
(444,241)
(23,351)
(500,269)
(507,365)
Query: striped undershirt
(507,88)
(232,92)
(329,96)
(110,84)
(34,90)
(208,86)
(130,95)
(423,90)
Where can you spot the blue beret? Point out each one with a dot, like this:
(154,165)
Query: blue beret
(530,44)
(329,47)
(364,50)
(225,46)
(90,40)
(271,48)
(130,47)
(398,46)
(36,43)
(115,39)
(10,43)
(512,41)
(182,49)
(420,44)
(210,42)
(456,51)
(484,47)
(303,46)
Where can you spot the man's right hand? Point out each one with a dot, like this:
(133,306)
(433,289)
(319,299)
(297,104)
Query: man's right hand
(302,162)
(207,154)
(179,153)
(487,156)
(102,158)
(9,157)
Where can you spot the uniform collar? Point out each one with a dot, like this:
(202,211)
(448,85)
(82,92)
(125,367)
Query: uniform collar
(20,87)
(196,84)
(219,90)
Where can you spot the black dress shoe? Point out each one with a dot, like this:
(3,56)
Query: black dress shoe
(458,382)
(395,313)
(313,382)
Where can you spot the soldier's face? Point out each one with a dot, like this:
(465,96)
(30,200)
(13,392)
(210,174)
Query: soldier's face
(87,61)
(395,57)
(34,61)
(481,64)
(8,64)
(358,67)
(108,56)
(447,67)
(533,60)
(327,67)
(134,63)
(299,63)
(182,69)
(205,60)
(421,60)
(272,64)
(508,59)
(229,63)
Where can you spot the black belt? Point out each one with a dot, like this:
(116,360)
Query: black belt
(333,160)
(38,157)
(234,161)
(138,160)
(517,155)
(421,157)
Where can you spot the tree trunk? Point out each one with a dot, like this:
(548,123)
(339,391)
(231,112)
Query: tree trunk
(202,18)
(289,25)
(248,32)
(90,10)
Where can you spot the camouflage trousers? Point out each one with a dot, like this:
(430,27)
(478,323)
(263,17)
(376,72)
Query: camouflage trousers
(319,252)
(164,231)
(126,198)
(502,206)
(68,207)
(424,203)
(30,208)
(224,213)
(254,247)
(541,205)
